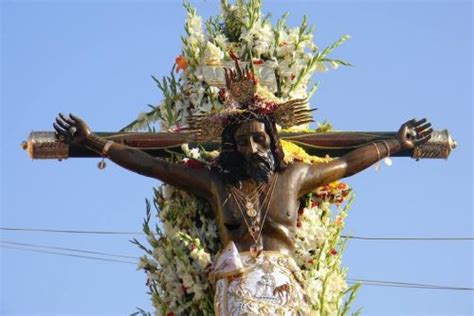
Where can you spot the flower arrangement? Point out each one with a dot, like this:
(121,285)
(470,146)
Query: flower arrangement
(184,242)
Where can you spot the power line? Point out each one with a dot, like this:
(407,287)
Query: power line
(405,284)
(350,281)
(381,284)
(67,249)
(102,232)
(67,254)
(408,238)
(64,231)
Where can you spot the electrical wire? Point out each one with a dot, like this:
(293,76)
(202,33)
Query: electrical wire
(67,254)
(406,284)
(65,231)
(408,238)
(66,249)
(381,284)
(102,232)
(349,280)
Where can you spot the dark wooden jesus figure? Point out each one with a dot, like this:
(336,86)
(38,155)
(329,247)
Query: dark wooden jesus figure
(253,193)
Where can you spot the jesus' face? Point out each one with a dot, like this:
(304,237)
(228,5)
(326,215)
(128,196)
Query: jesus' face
(253,143)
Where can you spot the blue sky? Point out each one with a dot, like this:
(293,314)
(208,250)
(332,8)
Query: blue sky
(95,58)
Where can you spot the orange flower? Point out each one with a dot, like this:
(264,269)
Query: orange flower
(181,63)
(342,186)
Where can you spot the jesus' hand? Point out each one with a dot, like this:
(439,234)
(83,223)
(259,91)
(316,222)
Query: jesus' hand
(414,133)
(71,130)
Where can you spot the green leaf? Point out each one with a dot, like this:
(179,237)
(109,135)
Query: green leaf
(334,45)
(352,295)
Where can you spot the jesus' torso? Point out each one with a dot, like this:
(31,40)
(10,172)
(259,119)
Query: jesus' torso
(278,232)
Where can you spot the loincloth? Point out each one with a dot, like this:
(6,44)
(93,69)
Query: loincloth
(270,283)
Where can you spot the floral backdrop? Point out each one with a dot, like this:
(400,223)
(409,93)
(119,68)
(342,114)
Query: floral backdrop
(182,239)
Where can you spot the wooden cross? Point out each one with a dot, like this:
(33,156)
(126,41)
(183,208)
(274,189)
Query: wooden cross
(45,145)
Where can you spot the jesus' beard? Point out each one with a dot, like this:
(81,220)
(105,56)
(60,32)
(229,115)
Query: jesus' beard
(260,167)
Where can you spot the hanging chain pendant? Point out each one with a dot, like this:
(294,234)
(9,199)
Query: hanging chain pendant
(255,250)
(250,209)
(254,230)
(101,165)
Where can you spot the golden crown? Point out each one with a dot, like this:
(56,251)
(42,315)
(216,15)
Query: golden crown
(242,103)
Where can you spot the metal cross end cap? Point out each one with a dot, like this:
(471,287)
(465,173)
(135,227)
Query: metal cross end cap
(439,146)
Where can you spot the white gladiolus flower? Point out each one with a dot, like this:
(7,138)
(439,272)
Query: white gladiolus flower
(201,257)
(264,40)
(196,96)
(169,228)
(320,67)
(153,276)
(167,191)
(259,37)
(221,40)
(185,148)
(335,284)
(299,93)
(314,288)
(159,254)
(194,23)
(188,280)
(141,116)
(142,262)
(213,54)
(214,91)
(198,291)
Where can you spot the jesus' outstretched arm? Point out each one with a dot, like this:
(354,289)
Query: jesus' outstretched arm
(74,130)
(410,134)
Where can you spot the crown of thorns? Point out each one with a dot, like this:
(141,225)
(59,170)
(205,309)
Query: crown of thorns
(242,103)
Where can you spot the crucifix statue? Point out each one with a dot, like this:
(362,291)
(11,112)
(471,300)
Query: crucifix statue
(252,192)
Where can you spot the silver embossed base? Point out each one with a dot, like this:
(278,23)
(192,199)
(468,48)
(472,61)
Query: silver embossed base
(267,285)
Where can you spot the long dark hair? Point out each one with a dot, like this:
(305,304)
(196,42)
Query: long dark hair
(230,161)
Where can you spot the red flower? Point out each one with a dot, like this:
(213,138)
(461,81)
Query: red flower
(181,63)
(311,261)
(342,186)
(314,203)
(177,129)
(193,163)
(333,252)
(258,62)
(170,314)
(339,200)
(222,95)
